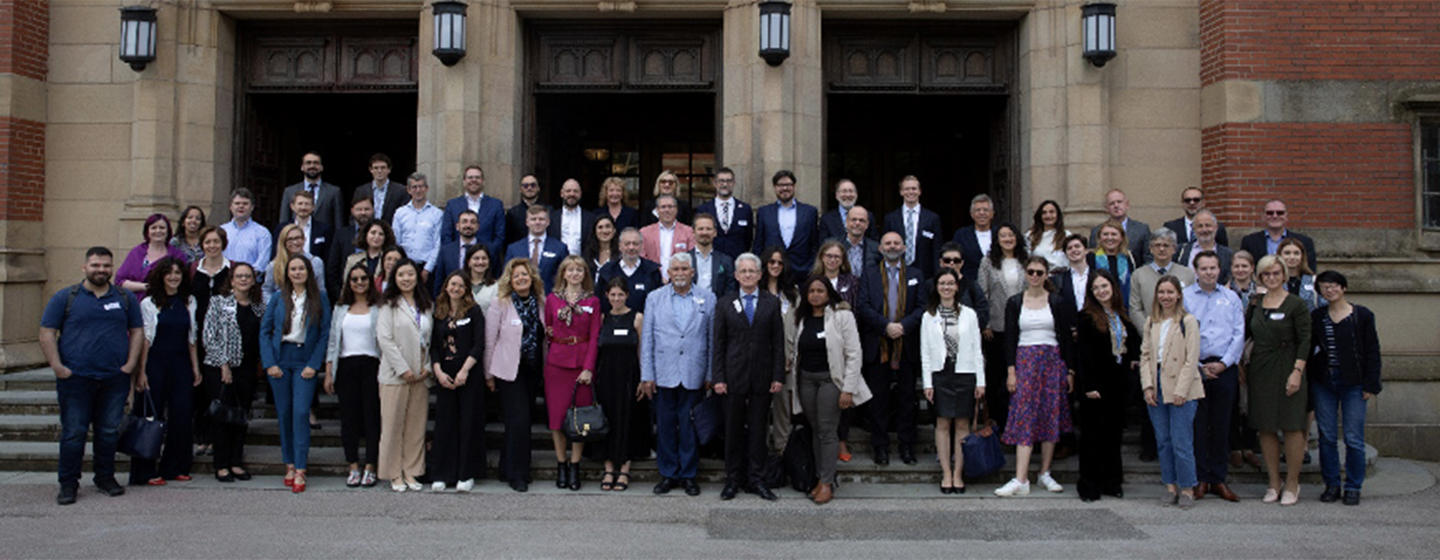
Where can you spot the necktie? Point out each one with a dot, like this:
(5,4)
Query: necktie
(725,216)
(892,295)
(750,308)
(1162,270)
(464,250)
(535,251)
(910,236)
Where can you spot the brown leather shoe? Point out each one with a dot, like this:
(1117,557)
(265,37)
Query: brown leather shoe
(1201,489)
(823,494)
(815,489)
(1220,489)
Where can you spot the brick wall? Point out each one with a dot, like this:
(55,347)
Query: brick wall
(24,48)
(24,37)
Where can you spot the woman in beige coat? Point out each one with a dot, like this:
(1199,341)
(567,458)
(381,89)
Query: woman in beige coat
(824,372)
(1170,378)
(402,330)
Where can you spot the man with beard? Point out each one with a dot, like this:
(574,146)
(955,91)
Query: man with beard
(90,334)
(892,298)
(362,212)
(385,195)
(570,223)
(489,212)
(327,196)
(675,350)
(516,227)
(452,255)
(788,223)
(734,228)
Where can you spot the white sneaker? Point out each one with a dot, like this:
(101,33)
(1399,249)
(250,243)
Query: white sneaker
(1013,488)
(437,487)
(397,485)
(465,485)
(1049,483)
(413,485)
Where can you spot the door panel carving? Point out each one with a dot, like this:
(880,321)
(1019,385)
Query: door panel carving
(906,57)
(340,57)
(677,56)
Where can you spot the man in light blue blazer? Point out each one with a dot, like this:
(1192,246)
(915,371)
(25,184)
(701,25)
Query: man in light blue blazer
(675,349)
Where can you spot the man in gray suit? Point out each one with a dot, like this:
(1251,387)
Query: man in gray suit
(862,251)
(1207,239)
(328,207)
(1136,231)
(675,350)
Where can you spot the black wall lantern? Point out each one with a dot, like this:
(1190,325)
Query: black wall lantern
(1097,25)
(449,31)
(137,36)
(774,31)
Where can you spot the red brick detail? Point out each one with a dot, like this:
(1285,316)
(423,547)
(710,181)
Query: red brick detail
(1345,175)
(25,37)
(1319,40)
(22,169)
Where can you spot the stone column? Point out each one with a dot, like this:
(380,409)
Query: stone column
(772,116)
(24,53)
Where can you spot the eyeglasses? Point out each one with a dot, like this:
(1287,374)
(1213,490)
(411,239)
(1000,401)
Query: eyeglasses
(1195,200)
(1274,212)
(785,184)
(1033,272)
(667,181)
(833,256)
(952,260)
(529,185)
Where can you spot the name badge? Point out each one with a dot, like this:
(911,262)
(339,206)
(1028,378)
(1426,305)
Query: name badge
(112,306)
(742,222)
(844,289)
(319,240)
(680,246)
(462,322)
(516,322)
(699,302)
(622,332)
(820,335)
(912,282)
(548,255)
(586,309)
(928,234)
(738,309)
(639,286)
(1276,315)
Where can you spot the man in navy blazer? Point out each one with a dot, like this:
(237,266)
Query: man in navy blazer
(488,209)
(385,195)
(975,239)
(802,218)
(547,250)
(641,275)
(1192,199)
(714,271)
(891,346)
(675,365)
(1266,241)
(318,234)
(919,226)
(452,255)
(734,220)
(833,223)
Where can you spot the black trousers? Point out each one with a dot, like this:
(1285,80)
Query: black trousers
(747,424)
(1212,426)
(1102,425)
(359,394)
(997,398)
(516,399)
(228,440)
(892,404)
(458,450)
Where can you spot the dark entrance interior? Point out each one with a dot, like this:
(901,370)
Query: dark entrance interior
(633,136)
(947,141)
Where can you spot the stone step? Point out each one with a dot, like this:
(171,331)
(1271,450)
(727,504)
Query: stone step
(28,380)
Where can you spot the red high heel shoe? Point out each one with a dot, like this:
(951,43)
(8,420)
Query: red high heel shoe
(298,485)
(289,479)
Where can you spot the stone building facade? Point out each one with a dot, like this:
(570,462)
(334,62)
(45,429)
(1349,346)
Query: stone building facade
(1324,104)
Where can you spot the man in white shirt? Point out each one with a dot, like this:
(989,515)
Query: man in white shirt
(385,195)
(569,223)
(1072,282)
(975,239)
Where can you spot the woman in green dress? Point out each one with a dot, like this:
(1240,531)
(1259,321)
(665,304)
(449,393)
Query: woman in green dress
(1277,327)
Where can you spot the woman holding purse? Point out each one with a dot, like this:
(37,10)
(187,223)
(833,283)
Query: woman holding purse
(231,339)
(824,373)
(293,337)
(953,371)
(514,338)
(572,319)
(169,371)
(1170,381)
(352,363)
(457,347)
(402,329)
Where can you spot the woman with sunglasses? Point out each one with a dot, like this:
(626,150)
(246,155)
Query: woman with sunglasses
(352,362)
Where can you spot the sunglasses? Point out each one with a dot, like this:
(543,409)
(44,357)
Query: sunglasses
(1274,212)
(529,185)
(951,260)
(1033,272)
(1195,200)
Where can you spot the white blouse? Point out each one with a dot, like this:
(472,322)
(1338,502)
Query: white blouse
(297,319)
(1046,248)
(1037,327)
(359,336)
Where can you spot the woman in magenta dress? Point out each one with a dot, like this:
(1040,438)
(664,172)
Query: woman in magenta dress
(154,246)
(572,323)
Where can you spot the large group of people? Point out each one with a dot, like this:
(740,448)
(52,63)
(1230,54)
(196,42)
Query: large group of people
(786,314)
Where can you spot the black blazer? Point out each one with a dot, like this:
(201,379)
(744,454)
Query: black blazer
(515,229)
(1064,321)
(1065,287)
(970,249)
(646,279)
(871,253)
(748,357)
(321,237)
(972,296)
(628,217)
(683,213)
(341,249)
(395,197)
(1095,367)
(446,261)
(450,346)
(871,313)
(328,202)
(587,224)
(928,237)
(832,226)
(1359,356)
(1255,244)
(1177,225)
(737,239)
(722,272)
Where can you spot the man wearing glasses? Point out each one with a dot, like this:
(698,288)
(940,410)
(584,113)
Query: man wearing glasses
(788,223)
(1267,241)
(734,227)
(515,228)
(1192,199)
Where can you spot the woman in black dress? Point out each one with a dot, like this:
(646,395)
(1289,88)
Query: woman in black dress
(1107,353)
(617,380)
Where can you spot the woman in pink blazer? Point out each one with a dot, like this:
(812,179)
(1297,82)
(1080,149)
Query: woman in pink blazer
(514,342)
(572,319)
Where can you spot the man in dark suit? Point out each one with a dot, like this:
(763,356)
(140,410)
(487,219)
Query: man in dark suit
(714,271)
(788,223)
(489,211)
(318,234)
(385,195)
(328,207)
(833,223)
(1267,241)
(452,255)
(952,256)
(641,276)
(1193,200)
(892,298)
(862,251)
(362,212)
(919,226)
(749,367)
(1205,225)
(570,223)
(1071,282)
(734,220)
(545,251)
(1137,233)
(515,218)
(975,239)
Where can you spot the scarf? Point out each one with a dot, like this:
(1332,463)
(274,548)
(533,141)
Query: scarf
(529,314)
(1122,269)
(569,310)
(1117,336)
(892,349)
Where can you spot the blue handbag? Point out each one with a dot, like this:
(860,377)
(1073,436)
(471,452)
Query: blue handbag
(143,434)
(982,451)
(706,419)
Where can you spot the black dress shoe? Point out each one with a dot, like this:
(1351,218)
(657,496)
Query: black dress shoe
(729,492)
(691,487)
(574,478)
(1331,494)
(1352,498)
(957,490)
(562,475)
(764,492)
(110,487)
(66,495)
(882,457)
(227,477)
(907,456)
(519,486)
(665,485)
(245,475)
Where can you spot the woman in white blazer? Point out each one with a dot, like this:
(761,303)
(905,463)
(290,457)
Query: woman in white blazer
(514,346)
(953,370)
(402,329)
(1170,379)
(825,378)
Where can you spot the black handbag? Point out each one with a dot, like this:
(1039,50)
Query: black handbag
(705,417)
(144,433)
(585,423)
(225,413)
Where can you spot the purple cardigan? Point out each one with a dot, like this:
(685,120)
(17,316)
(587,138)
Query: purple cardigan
(134,267)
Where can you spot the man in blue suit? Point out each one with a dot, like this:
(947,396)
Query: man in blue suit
(892,298)
(975,239)
(675,350)
(919,226)
(545,251)
(452,254)
(488,209)
(714,271)
(733,219)
(788,223)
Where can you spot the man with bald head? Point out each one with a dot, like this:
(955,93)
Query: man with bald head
(1117,205)
(1207,239)
(862,251)
(892,298)
(568,222)
(1267,241)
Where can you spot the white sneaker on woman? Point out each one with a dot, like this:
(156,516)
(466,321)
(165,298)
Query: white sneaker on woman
(1013,488)
(1049,483)
(465,485)
(437,486)
(398,485)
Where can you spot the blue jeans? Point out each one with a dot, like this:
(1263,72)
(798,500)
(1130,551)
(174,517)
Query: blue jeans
(676,452)
(85,401)
(1343,403)
(292,405)
(1175,442)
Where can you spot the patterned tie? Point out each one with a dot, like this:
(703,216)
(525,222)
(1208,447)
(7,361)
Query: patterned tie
(1162,270)
(750,308)
(535,251)
(725,216)
(892,294)
(910,236)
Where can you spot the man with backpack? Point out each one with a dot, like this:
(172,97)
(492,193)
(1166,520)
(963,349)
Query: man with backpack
(91,334)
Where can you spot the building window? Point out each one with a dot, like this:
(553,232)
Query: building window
(1430,172)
